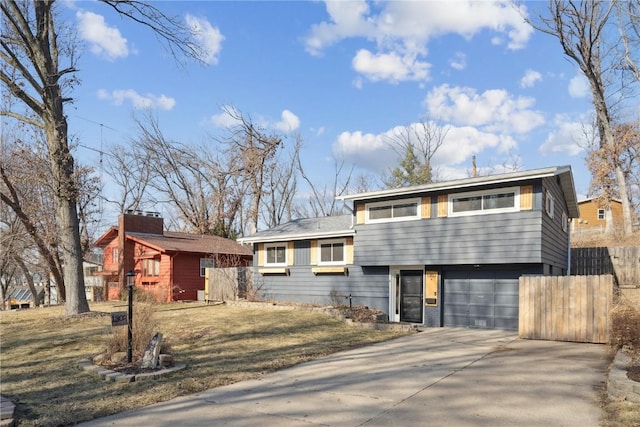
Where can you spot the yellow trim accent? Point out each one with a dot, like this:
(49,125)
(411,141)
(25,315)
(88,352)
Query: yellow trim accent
(329,270)
(313,253)
(260,254)
(360,213)
(431,286)
(290,252)
(349,251)
(443,205)
(274,270)
(526,197)
(425,205)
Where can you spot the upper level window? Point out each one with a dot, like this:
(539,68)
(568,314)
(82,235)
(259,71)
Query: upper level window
(204,264)
(114,255)
(396,210)
(276,254)
(483,202)
(600,213)
(565,222)
(331,252)
(549,205)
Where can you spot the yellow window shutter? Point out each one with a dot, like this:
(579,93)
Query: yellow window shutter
(526,197)
(260,254)
(313,256)
(349,251)
(443,205)
(290,252)
(360,213)
(425,205)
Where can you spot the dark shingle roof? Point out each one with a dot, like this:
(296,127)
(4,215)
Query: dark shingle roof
(327,226)
(171,241)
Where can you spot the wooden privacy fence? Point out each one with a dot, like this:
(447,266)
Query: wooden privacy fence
(227,284)
(622,262)
(566,308)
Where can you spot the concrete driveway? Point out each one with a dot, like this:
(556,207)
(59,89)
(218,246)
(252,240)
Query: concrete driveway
(438,377)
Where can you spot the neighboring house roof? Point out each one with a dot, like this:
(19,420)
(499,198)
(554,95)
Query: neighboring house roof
(562,172)
(305,228)
(592,199)
(171,241)
(22,293)
(195,243)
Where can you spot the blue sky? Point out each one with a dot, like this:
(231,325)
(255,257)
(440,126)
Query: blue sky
(343,75)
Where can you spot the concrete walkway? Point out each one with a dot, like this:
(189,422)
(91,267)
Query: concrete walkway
(439,377)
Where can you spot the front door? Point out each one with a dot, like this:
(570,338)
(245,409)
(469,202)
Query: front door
(411,295)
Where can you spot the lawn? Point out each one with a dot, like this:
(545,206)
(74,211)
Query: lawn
(40,348)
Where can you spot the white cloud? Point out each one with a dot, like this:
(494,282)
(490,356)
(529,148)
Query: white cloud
(530,78)
(208,38)
(118,97)
(389,66)
(103,40)
(371,151)
(402,30)
(570,137)
(289,122)
(225,120)
(493,110)
(459,61)
(578,86)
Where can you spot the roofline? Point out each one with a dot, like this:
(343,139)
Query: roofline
(590,199)
(460,183)
(296,236)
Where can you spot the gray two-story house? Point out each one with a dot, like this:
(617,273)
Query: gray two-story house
(442,254)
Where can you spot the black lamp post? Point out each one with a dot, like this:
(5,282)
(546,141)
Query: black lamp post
(130,282)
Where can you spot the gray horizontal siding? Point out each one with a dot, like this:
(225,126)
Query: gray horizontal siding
(368,286)
(555,241)
(477,239)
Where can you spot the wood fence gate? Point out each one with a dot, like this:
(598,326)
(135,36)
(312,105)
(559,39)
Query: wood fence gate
(566,308)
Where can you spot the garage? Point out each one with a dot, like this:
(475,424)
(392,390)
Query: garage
(481,299)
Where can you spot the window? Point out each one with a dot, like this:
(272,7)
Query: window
(276,254)
(483,202)
(204,264)
(151,267)
(600,213)
(565,222)
(548,203)
(331,252)
(398,210)
(114,255)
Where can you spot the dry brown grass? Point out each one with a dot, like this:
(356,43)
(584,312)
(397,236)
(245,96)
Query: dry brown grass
(40,348)
(625,334)
(600,239)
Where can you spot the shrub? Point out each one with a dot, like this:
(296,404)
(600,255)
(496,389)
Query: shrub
(144,327)
(625,326)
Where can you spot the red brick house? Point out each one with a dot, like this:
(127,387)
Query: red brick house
(170,265)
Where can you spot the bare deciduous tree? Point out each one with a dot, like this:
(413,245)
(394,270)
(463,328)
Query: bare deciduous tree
(38,68)
(253,151)
(586,32)
(322,201)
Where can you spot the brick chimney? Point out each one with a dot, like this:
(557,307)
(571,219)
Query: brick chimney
(134,222)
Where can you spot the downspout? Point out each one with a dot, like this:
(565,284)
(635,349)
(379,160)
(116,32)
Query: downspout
(569,248)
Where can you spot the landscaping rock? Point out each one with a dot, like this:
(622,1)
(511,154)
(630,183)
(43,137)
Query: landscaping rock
(150,358)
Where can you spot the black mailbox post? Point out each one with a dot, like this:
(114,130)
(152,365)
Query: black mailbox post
(130,283)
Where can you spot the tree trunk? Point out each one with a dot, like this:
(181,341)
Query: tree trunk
(29,278)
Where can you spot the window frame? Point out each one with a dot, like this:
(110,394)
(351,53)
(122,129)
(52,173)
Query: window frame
(115,255)
(151,265)
(565,222)
(482,194)
(275,245)
(549,204)
(332,242)
(603,216)
(392,203)
(210,264)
